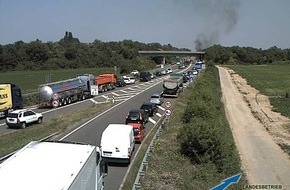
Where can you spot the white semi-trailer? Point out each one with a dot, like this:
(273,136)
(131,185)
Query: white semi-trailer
(51,165)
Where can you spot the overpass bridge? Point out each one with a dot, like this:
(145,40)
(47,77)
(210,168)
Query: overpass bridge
(198,55)
(175,53)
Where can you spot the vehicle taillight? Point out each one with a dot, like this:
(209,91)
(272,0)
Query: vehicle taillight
(129,152)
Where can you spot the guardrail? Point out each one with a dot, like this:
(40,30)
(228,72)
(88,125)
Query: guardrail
(144,165)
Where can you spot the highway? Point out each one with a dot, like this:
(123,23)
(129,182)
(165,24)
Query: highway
(126,98)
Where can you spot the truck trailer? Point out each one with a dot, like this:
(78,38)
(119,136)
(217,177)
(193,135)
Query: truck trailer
(65,92)
(10,98)
(173,85)
(54,165)
(106,82)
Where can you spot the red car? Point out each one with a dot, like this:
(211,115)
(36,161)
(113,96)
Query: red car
(139,131)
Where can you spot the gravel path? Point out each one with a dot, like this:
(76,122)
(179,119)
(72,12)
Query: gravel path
(263,161)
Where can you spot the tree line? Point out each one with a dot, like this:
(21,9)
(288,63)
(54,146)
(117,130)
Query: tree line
(70,53)
(247,55)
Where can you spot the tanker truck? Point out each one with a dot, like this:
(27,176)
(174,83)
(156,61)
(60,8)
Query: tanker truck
(67,91)
(54,165)
(10,98)
(173,85)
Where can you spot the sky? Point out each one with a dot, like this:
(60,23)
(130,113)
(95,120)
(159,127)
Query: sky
(192,24)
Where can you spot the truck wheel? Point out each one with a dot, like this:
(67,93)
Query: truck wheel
(23,125)
(55,103)
(39,120)
(60,102)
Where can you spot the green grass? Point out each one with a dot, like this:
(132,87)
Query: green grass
(270,80)
(13,141)
(29,81)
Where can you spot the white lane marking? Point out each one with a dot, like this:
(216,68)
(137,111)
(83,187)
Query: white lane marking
(123,96)
(152,121)
(94,101)
(106,97)
(158,114)
(123,91)
(162,108)
(119,100)
(115,94)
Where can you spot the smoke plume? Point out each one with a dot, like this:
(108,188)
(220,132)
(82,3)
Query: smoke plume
(219,16)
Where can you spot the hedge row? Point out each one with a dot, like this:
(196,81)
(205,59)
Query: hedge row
(206,136)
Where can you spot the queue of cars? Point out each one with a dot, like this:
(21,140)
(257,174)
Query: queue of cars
(118,140)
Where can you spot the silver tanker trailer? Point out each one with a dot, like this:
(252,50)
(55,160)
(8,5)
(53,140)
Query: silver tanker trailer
(67,91)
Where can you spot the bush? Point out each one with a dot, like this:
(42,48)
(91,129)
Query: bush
(199,141)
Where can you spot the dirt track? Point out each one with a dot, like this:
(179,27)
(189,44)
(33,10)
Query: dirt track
(256,130)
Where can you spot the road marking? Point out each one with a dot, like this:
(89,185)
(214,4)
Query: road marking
(106,97)
(123,91)
(94,100)
(162,108)
(115,94)
(158,114)
(151,120)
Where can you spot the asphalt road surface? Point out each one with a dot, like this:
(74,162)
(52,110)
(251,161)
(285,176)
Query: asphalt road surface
(126,98)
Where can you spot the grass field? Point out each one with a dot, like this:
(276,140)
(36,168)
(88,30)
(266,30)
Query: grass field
(29,81)
(270,80)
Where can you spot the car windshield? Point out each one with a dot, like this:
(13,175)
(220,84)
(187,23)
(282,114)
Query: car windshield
(145,107)
(12,115)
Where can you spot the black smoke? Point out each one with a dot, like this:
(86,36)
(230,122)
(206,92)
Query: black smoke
(219,16)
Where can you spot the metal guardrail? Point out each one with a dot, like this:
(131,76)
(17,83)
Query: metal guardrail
(144,165)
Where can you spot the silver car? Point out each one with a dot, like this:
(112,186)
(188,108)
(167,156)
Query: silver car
(156,99)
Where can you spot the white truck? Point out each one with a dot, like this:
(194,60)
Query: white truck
(173,85)
(54,165)
(118,143)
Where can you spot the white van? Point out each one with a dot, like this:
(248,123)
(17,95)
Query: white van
(117,143)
